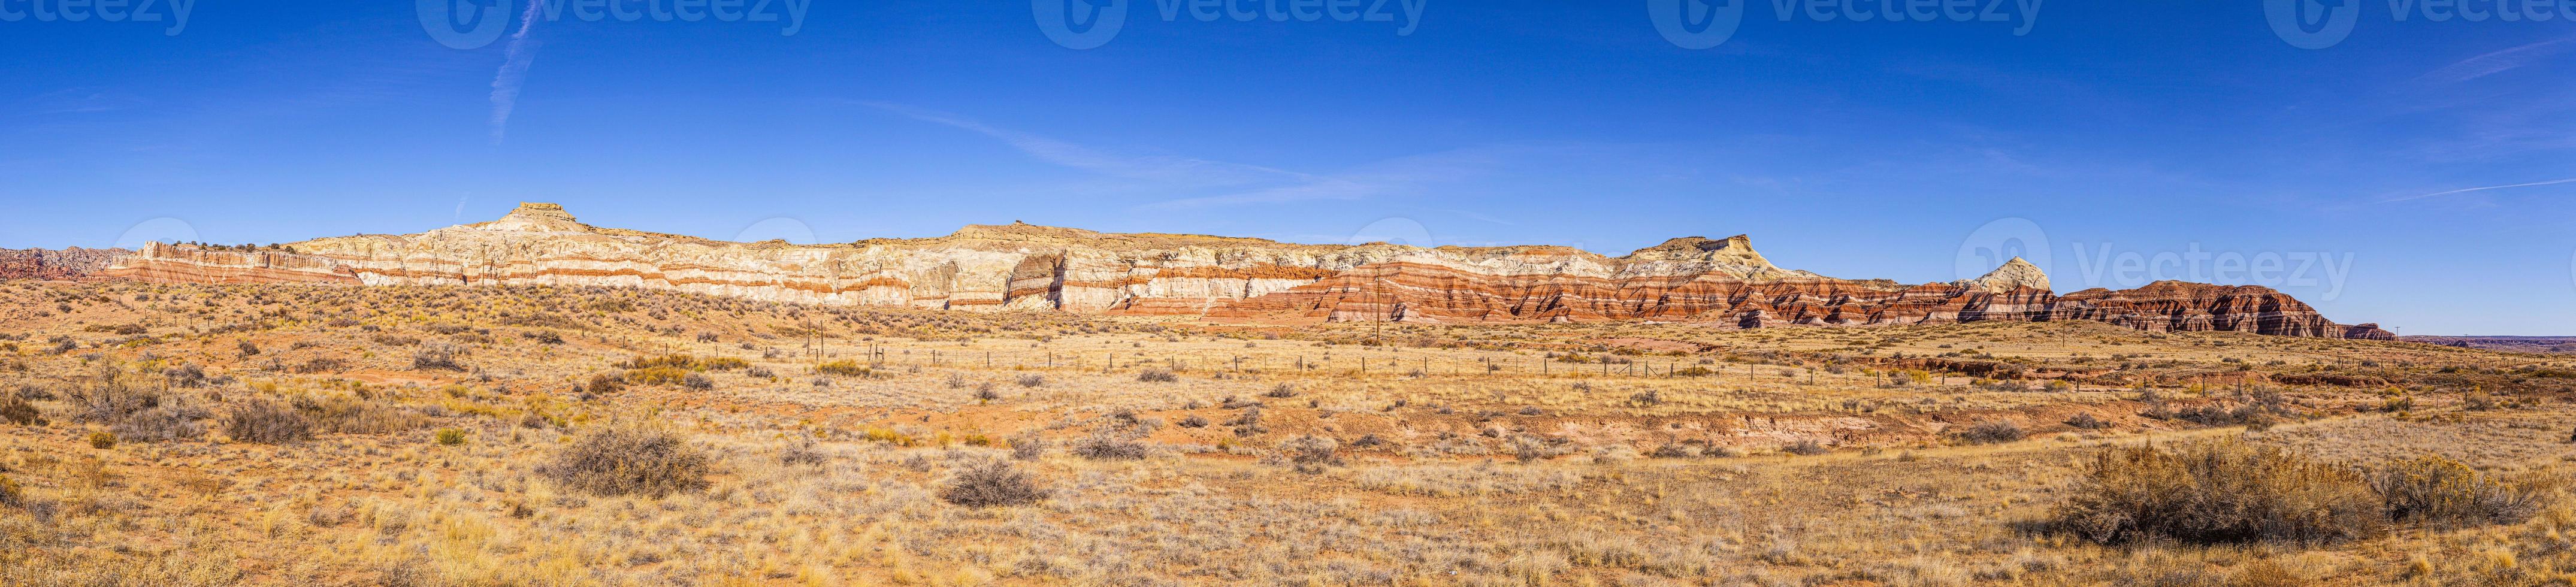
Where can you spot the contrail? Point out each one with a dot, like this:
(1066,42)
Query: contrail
(514,72)
(2481,189)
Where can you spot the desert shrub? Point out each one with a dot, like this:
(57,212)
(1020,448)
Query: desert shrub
(16,410)
(102,440)
(697,382)
(1676,450)
(1992,432)
(1310,454)
(2477,400)
(247,349)
(2086,421)
(628,460)
(992,483)
(1193,421)
(1106,446)
(1283,391)
(604,384)
(163,423)
(2442,492)
(342,414)
(11,495)
(1156,376)
(801,454)
(320,365)
(843,368)
(437,356)
(1647,398)
(1032,380)
(450,436)
(984,392)
(1806,448)
(188,375)
(110,399)
(2227,491)
(266,422)
(685,362)
(1028,447)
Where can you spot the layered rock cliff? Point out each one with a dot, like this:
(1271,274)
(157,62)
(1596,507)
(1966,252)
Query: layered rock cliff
(1023,267)
(70,263)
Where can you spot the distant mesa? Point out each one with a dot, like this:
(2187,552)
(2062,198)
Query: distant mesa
(1710,282)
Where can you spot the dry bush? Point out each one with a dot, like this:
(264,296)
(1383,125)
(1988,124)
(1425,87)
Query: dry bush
(1311,454)
(1106,446)
(843,368)
(2086,421)
(1028,447)
(2437,491)
(1806,448)
(604,384)
(163,423)
(16,410)
(628,460)
(341,414)
(1156,376)
(437,356)
(801,454)
(266,422)
(1992,432)
(992,483)
(11,495)
(110,400)
(657,375)
(2226,491)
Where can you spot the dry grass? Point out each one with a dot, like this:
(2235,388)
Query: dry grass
(1239,453)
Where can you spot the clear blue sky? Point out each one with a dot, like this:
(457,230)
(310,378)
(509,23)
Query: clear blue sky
(1853,149)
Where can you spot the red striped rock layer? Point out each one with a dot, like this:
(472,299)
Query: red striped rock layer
(1418,293)
(1021,267)
(71,263)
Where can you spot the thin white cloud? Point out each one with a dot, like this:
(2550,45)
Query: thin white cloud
(2480,189)
(514,73)
(2495,62)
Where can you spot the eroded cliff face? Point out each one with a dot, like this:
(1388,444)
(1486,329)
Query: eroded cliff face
(1022,267)
(53,264)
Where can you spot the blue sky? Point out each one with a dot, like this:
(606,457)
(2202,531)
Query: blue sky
(1903,150)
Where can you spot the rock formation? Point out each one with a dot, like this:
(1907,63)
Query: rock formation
(70,263)
(1023,267)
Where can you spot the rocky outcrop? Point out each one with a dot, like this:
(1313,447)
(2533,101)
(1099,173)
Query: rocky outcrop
(63,264)
(1721,282)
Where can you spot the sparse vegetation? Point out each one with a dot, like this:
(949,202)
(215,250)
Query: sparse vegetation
(266,422)
(628,460)
(2217,492)
(1282,461)
(992,484)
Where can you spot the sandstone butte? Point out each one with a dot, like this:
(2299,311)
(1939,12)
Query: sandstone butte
(1720,283)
